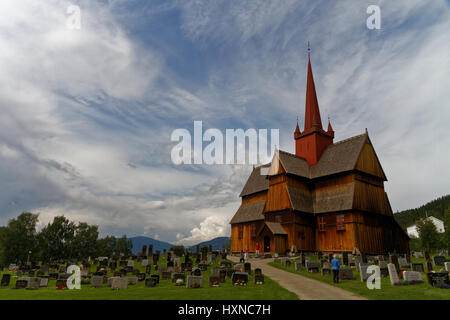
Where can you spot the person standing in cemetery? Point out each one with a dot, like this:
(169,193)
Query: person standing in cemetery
(241,260)
(257,248)
(335,265)
(246,254)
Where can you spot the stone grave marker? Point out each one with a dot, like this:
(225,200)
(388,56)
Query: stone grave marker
(194,282)
(363,271)
(130,263)
(298,266)
(215,272)
(110,280)
(239,278)
(417,267)
(119,283)
(33,283)
(61,284)
(6,279)
(150,282)
(196,272)
(177,262)
(412,276)
(145,262)
(312,267)
(383,268)
(438,279)
(97,281)
(43,283)
(141,276)
(393,275)
(156,277)
(403,263)
(21,284)
(447,266)
(394,260)
(214,281)
(439,260)
(258,279)
(248,267)
(346,274)
(418,255)
(178,275)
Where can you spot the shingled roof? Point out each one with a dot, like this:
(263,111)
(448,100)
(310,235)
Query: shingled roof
(256,182)
(275,228)
(339,157)
(249,212)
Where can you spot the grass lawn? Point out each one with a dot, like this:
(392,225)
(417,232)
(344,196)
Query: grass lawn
(421,291)
(165,290)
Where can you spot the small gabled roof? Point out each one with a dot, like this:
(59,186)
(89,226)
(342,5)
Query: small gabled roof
(249,212)
(274,227)
(299,200)
(294,165)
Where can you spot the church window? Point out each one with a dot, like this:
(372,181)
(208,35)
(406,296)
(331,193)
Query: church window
(278,218)
(322,224)
(340,222)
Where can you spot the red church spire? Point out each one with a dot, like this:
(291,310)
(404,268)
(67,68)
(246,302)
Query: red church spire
(311,143)
(312,113)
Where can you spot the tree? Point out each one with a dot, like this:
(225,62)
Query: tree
(123,246)
(105,247)
(429,237)
(56,239)
(18,238)
(85,240)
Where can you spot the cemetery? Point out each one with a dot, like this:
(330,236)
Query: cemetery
(166,276)
(403,277)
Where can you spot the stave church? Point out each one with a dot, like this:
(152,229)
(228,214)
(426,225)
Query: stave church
(328,196)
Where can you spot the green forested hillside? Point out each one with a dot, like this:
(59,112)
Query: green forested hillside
(437,208)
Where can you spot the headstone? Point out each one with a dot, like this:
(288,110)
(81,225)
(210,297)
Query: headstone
(61,284)
(418,255)
(447,266)
(394,260)
(145,262)
(239,267)
(214,281)
(417,267)
(97,281)
(33,283)
(248,267)
(21,284)
(298,266)
(150,282)
(119,283)
(141,276)
(438,279)
(215,272)
(156,277)
(393,275)
(196,272)
(130,263)
(6,279)
(259,279)
(43,283)
(194,282)
(412,276)
(403,263)
(239,278)
(178,275)
(439,260)
(346,274)
(312,267)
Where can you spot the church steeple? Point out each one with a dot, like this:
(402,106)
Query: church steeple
(311,143)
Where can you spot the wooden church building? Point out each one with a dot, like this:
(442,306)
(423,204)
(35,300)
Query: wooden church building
(328,196)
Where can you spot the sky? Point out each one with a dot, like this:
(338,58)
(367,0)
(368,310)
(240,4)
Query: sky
(86,115)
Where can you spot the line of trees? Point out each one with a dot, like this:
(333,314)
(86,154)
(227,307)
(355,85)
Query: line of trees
(59,240)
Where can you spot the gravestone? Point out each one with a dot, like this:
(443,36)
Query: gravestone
(412,276)
(215,272)
(6,279)
(133,280)
(141,276)
(165,275)
(259,279)
(403,263)
(156,277)
(438,260)
(145,262)
(97,281)
(150,282)
(110,281)
(447,266)
(238,267)
(248,267)
(298,266)
(61,284)
(119,284)
(44,282)
(177,262)
(418,255)
(225,264)
(214,281)
(34,283)
(393,275)
(178,275)
(417,267)
(196,272)
(394,260)
(239,278)
(383,268)
(194,282)
(21,284)
(346,274)
(130,263)
(438,279)
(312,267)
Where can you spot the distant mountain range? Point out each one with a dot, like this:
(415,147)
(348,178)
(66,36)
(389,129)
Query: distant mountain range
(138,242)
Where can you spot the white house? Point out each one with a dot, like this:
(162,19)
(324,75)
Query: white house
(412,230)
